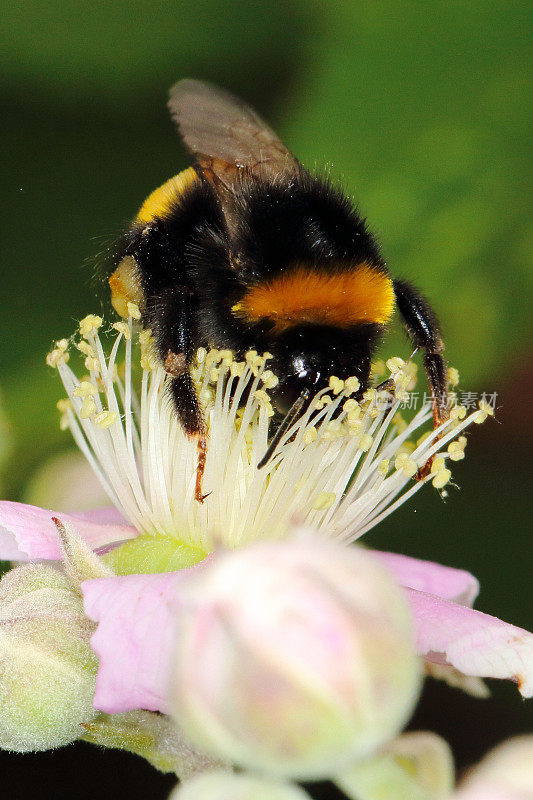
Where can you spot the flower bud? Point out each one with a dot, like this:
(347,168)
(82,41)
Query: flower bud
(293,657)
(47,668)
(505,774)
(418,766)
(227,786)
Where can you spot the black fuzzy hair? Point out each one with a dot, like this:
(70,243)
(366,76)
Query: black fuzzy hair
(302,219)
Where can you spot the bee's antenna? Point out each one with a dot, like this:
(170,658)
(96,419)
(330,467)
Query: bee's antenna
(292,414)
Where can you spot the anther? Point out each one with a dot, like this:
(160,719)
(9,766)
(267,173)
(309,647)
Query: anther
(133,310)
(90,324)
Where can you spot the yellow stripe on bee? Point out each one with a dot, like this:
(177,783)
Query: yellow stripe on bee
(160,202)
(303,294)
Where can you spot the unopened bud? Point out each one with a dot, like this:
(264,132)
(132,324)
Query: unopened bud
(505,774)
(418,766)
(47,668)
(228,786)
(293,657)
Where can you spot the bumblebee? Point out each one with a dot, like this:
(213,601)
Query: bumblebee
(247,249)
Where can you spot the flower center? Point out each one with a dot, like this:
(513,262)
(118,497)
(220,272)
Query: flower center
(341,467)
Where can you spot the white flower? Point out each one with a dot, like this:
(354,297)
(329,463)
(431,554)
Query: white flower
(341,468)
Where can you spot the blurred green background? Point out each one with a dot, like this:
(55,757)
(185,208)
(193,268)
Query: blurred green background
(421,109)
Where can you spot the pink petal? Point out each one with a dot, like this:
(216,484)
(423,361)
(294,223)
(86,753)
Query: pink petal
(27,533)
(108,515)
(426,576)
(134,639)
(472,642)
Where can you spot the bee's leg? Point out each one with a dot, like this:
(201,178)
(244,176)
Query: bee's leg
(172,324)
(187,407)
(423,330)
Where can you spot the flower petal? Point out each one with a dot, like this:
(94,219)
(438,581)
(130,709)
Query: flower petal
(107,515)
(27,532)
(472,642)
(426,576)
(134,640)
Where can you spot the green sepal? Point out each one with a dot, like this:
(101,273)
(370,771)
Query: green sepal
(153,737)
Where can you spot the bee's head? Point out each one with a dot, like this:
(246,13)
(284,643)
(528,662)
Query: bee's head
(306,356)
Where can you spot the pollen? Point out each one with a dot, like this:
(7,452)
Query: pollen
(350,405)
(56,357)
(89,325)
(395,364)
(105,419)
(407,465)
(88,408)
(351,385)
(85,389)
(410,467)
(353,416)
(92,364)
(458,412)
(336,384)
(212,357)
(133,310)
(438,465)
(365,442)
(262,396)
(237,368)
(441,478)
(269,379)
(255,362)
(324,500)
(324,400)
(123,328)
(399,422)
(332,431)
(354,427)
(226,356)
(145,337)
(148,362)
(201,355)
(148,359)
(310,435)
(331,468)
(86,348)
(453,377)
(456,449)
(378,369)
(64,405)
(485,410)
(383,466)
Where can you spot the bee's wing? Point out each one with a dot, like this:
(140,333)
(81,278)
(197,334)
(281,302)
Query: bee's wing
(225,134)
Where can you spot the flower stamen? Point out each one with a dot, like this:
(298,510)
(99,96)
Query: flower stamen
(343,465)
